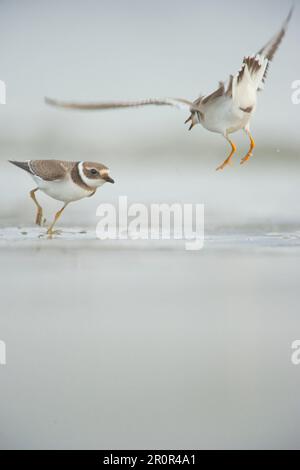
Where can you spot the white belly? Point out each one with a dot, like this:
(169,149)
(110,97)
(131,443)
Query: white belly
(63,190)
(223,117)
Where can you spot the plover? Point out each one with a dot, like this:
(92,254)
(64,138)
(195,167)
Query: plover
(226,110)
(65,181)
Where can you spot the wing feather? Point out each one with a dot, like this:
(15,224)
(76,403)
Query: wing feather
(103,105)
(252,75)
(269,50)
(23,165)
(56,170)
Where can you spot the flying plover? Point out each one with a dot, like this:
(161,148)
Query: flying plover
(227,110)
(65,181)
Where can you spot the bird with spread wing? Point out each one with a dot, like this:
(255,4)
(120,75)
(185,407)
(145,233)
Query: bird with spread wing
(226,110)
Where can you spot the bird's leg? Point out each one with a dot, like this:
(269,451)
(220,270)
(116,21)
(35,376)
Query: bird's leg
(50,230)
(252,146)
(228,159)
(39,215)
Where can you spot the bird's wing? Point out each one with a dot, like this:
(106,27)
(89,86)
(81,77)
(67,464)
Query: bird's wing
(102,105)
(269,50)
(216,94)
(41,168)
(254,68)
(251,76)
(57,170)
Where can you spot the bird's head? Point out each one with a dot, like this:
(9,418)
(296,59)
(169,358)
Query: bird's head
(94,174)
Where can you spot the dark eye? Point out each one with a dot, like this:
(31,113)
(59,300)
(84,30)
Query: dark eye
(93,171)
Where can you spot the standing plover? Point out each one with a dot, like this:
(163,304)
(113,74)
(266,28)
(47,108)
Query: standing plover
(225,111)
(64,181)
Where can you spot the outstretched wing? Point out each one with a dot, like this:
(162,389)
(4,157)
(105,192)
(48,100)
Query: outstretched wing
(252,75)
(269,50)
(254,68)
(102,105)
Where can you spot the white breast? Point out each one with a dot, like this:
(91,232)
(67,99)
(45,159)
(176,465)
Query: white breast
(63,190)
(223,116)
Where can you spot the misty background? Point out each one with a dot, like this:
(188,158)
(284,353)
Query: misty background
(145,345)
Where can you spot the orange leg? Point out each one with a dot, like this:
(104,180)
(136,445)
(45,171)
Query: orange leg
(228,159)
(39,215)
(252,146)
(50,230)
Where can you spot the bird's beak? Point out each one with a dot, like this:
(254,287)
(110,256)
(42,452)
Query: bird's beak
(191,118)
(108,179)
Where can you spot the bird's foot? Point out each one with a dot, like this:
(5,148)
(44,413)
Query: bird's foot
(51,232)
(224,164)
(246,158)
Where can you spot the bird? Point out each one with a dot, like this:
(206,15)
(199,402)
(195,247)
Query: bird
(225,111)
(65,181)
